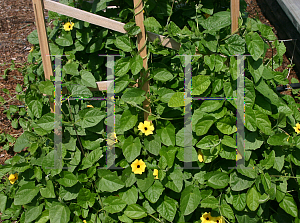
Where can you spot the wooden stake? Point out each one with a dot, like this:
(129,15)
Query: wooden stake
(141,38)
(235,13)
(38,8)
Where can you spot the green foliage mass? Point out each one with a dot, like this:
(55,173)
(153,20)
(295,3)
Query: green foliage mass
(267,191)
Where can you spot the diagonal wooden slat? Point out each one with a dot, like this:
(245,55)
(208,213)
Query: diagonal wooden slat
(103,22)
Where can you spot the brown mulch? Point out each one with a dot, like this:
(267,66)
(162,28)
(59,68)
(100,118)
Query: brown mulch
(17,22)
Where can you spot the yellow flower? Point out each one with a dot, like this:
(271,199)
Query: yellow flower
(138,166)
(206,218)
(89,106)
(155,173)
(32,48)
(84,221)
(297,128)
(112,139)
(68,26)
(12,178)
(219,219)
(200,156)
(146,128)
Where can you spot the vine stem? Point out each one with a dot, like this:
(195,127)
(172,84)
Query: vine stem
(156,219)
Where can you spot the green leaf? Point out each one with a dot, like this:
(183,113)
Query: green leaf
(131,148)
(209,202)
(71,68)
(3,200)
(154,192)
(109,182)
(263,122)
(121,83)
(114,204)
(136,64)
(268,162)
(127,121)
(67,179)
(59,213)
(69,193)
(33,37)
(33,213)
(266,31)
(134,31)
(200,84)
(134,95)
(252,199)
(166,133)
(87,79)
(175,182)
(44,217)
(177,100)
(91,117)
(210,105)
(239,201)
(130,196)
(35,107)
(46,122)
(48,191)
(216,22)
(226,125)
(189,200)
(162,74)
(153,144)
(235,45)
(25,140)
(99,5)
(122,66)
(169,154)
(278,139)
(123,43)
(85,198)
(135,211)
(46,87)
(65,39)
(289,205)
(226,210)
(192,153)
(168,208)
(204,124)
(145,182)
(255,45)
(26,193)
(91,158)
(151,22)
(239,182)
(252,141)
(217,180)
(80,91)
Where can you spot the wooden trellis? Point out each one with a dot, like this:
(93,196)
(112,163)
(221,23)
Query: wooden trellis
(39,5)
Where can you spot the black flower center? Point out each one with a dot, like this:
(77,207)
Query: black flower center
(217,221)
(138,166)
(146,128)
(207,218)
(69,27)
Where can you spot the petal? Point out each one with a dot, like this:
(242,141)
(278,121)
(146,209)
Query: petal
(141,127)
(151,128)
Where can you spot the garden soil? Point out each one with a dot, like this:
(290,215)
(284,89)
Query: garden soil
(17,22)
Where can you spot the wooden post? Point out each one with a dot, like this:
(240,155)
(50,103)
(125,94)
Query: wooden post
(235,13)
(38,8)
(141,38)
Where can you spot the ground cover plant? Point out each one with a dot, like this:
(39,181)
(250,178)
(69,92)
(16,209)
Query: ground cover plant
(152,187)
